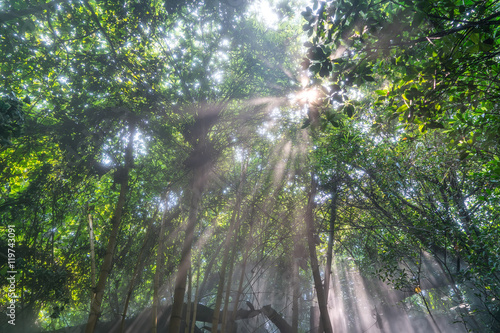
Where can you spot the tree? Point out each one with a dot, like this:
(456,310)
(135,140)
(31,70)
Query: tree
(123,180)
(426,74)
(422,63)
(176,128)
(95,73)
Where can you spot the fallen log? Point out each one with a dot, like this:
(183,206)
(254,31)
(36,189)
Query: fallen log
(276,319)
(142,322)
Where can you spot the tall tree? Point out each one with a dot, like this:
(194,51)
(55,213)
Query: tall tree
(320,290)
(122,177)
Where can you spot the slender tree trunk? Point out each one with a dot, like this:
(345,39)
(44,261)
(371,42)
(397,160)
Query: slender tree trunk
(208,269)
(228,244)
(95,307)
(248,236)
(240,284)
(228,289)
(459,201)
(138,267)
(329,252)
(295,295)
(430,313)
(92,254)
(185,263)
(220,287)
(159,268)
(195,305)
(188,302)
(320,292)
(314,319)
(200,162)
(331,235)
(299,256)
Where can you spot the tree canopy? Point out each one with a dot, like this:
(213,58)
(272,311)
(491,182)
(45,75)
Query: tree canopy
(249,165)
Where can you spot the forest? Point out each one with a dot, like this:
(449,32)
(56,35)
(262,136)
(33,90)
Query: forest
(242,166)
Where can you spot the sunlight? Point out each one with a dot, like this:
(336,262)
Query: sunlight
(220,178)
(306,96)
(265,13)
(280,167)
(240,154)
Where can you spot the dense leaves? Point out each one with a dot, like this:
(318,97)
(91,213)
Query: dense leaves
(423,177)
(161,154)
(418,62)
(12,119)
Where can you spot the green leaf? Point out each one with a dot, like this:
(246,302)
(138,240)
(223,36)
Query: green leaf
(316,53)
(434,124)
(349,110)
(402,108)
(334,123)
(474,37)
(325,69)
(315,68)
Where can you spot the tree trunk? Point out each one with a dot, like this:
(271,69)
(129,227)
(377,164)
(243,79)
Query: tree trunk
(185,263)
(189,292)
(320,292)
(248,236)
(329,252)
(459,201)
(222,275)
(277,320)
(138,267)
(208,270)
(92,255)
(242,278)
(95,307)
(200,161)
(195,303)
(159,268)
(314,319)
(228,290)
(331,235)
(228,244)
(295,295)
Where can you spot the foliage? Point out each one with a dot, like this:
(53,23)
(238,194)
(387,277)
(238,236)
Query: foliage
(12,119)
(135,108)
(95,71)
(403,200)
(421,63)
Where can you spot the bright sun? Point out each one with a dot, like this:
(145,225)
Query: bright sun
(306,96)
(265,13)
